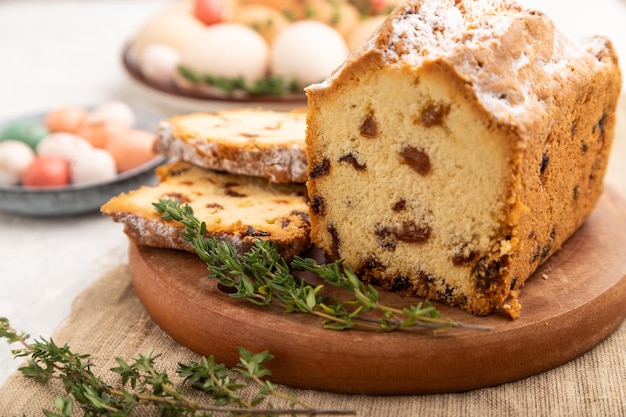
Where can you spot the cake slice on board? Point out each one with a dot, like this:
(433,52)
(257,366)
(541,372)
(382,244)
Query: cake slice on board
(237,209)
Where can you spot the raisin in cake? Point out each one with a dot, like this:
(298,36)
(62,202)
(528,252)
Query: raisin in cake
(237,209)
(254,142)
(458,149)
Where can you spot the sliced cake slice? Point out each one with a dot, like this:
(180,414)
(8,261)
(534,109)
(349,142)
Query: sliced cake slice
(258,142)
(237,209)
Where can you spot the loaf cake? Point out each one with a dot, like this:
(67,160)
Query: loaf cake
(458,148)
(255,142)
(237,209)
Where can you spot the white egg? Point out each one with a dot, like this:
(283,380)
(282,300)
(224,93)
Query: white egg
(63,145)
(158,62)
(307,51)
(113,112)
(15,156)
(172,27)
(92,165)
(227,50)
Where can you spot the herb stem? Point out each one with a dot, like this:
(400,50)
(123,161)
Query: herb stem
(262,277)
(151,387)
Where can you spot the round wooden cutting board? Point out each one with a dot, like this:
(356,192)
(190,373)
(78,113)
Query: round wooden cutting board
(571,303)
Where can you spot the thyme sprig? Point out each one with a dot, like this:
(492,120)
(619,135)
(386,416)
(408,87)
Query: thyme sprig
(261,276)
(270,85)
(143,385)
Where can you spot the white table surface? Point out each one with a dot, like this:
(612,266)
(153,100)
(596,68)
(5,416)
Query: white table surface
(61,52)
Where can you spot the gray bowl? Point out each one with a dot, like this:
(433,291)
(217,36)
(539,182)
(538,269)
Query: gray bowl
(79,198)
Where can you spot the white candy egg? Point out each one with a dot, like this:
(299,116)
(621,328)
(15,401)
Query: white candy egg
(307,51)
(227,50)
(15,156)
(92,165)
(158,62)
(63,145)
(173,28)
(113,112)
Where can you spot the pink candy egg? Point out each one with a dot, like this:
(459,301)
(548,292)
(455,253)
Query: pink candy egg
(158,62)
(98,133)
(131,149)
(65,119)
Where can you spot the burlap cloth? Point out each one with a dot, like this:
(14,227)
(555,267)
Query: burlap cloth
(108,321)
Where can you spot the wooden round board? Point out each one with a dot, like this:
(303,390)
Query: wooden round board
(573,302)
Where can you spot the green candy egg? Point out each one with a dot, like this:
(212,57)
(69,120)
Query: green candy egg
(28,132)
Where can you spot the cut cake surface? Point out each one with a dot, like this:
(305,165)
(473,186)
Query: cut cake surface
(237,209)
(255,142)
(458,149)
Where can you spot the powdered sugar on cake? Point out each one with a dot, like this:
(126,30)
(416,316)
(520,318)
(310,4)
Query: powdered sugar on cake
(468,34)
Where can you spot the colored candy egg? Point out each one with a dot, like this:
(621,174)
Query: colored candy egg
(15,156)
(92,165)
(46,171)
(63,145)
(383,6)
(66,118)
(113,112)
(158,62)
(132,149)
(28,132)
(210,12)
(97,133)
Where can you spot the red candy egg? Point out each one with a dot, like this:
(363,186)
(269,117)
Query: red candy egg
(210,12)
(46,171)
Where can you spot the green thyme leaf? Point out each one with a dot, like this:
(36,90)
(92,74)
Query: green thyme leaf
(270,85)
(144,386)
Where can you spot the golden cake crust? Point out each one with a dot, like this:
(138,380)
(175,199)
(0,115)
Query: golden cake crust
(256,142)
(237,209)
(459,148)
